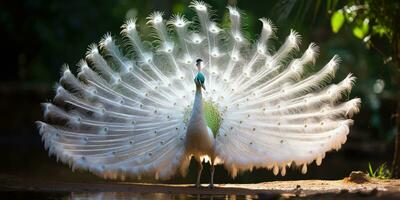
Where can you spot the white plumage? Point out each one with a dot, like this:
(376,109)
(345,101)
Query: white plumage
(131,115)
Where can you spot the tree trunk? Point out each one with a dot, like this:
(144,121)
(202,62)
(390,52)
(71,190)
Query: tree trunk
(396,159)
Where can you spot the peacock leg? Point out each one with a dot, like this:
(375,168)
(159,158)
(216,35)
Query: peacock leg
(199,174)
(212,176)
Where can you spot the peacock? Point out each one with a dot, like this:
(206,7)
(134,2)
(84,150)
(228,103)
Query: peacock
(197,91)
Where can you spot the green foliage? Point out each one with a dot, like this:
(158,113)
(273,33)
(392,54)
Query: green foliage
(300,10)
(368,18)
(337,21)
(361,29)
(382,172)
(380,30)
(178,8)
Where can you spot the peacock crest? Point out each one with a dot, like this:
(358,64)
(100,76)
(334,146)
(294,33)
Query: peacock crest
(127,115)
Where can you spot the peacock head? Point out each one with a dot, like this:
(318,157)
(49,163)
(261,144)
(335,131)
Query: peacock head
(199,79)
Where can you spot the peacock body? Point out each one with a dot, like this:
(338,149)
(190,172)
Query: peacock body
(149,112)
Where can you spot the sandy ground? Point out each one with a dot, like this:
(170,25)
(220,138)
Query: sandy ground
(304,189)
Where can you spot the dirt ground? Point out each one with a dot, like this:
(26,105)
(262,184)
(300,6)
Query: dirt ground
(303,189)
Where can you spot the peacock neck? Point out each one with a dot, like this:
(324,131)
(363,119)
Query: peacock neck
(198,112)
(197,122)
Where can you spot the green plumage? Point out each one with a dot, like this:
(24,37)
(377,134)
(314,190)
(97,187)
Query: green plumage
(212,116)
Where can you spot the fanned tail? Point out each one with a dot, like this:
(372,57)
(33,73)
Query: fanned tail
(125,115)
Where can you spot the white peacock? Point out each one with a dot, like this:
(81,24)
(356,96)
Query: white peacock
(148,113)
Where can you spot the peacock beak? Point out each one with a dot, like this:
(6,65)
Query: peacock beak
(204,87)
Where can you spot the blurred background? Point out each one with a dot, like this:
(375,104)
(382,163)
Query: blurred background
(38,36)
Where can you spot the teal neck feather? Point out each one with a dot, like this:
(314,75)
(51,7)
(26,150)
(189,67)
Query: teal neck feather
(200,77)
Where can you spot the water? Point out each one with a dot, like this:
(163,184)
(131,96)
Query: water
(120,196)
(134,196)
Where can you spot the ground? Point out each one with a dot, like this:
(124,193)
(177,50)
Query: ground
(304,189)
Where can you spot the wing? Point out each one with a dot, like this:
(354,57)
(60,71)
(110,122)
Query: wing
(274,114)
(122,117)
